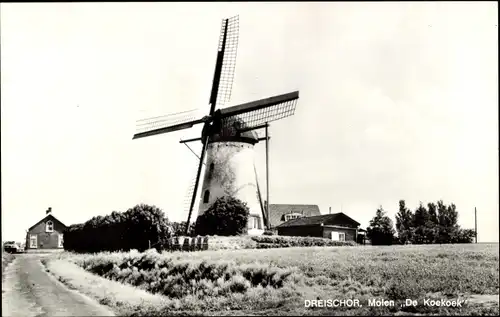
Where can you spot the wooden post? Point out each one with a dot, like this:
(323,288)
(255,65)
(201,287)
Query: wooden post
(475,222)
(267,177)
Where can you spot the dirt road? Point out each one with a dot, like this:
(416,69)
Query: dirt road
(28,290)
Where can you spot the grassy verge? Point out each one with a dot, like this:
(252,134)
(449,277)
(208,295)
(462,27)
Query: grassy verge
(123,299)
(277,281)
(6,259)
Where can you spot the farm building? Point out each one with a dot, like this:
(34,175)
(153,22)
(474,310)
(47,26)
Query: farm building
(46,234)
(281,213)
(338,226)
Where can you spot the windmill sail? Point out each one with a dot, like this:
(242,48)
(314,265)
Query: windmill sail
(166,123)
(225,64)
(189,193)
(229,61)
(256,113)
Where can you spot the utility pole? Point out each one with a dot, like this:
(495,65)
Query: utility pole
(267,173)
(475,222)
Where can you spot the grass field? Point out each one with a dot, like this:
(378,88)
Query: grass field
(278,281)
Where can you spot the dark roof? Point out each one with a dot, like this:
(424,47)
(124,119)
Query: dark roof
(277,212)
(330,219)
(49,216)
(228,131)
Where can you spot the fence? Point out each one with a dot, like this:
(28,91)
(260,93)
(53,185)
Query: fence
(186,244)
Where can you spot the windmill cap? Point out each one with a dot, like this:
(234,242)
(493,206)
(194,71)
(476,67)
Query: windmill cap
(229,132)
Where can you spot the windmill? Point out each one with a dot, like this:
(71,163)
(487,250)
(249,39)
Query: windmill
(228,135)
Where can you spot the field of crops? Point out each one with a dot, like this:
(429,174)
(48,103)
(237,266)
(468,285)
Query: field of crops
(277,281)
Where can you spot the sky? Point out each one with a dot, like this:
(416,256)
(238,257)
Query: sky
(398,100)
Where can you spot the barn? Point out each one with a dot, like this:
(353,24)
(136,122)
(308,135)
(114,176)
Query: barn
(46,234)
(338,226)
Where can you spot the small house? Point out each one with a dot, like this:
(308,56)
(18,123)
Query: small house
(338,227)
(46,234)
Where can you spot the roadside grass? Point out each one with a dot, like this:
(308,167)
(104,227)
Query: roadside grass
(123,299)
(6,259)
(277,281)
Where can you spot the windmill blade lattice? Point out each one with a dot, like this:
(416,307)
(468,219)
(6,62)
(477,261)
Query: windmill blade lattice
(159,122)
(229,59)
(190,191)
(263,111)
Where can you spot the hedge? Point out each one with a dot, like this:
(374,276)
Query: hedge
(137,228)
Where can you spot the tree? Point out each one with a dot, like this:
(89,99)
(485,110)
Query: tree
(463,236)
(226,217)
(404,223)
(146,225)
(433,215)
(432,230)
(423,231)
(421,216)
(448,222)
(380,231)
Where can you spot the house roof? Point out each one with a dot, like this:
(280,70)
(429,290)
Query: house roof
(330,219)
(277,212)
(49,216)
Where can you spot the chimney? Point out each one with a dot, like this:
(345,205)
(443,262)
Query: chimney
(329,210)
(49,210)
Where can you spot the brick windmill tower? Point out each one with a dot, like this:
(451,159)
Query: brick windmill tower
(228,136)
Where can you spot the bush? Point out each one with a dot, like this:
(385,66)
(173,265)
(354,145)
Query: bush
(463,236)
(227,216)
(286,241)
(137,228)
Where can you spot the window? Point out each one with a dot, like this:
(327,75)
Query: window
(292,216)
(211,171)
(338,236)
(341,236)
(49,226)
(206,197)
(60,245)
(33,241)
